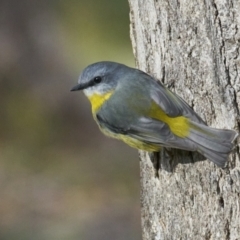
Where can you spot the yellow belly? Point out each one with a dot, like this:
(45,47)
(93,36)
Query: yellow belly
(132,142)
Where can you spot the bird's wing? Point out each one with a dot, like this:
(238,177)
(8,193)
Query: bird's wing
(172,104)
(149,131)
(144,129)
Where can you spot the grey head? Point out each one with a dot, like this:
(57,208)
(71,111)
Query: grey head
(100,77)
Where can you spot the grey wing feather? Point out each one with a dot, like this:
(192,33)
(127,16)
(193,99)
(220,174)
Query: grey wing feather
(104,123)
(172,104)
(144,129)
(158,133)
(150,131)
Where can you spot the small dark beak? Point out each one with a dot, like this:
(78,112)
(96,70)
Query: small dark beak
(78,87)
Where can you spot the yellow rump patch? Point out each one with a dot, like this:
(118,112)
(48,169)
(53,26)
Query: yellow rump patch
(178,125)
(97,100)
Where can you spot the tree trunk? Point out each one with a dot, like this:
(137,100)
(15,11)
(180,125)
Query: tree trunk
(192,46)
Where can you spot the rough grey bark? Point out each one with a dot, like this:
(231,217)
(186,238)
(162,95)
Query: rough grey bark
(194,47)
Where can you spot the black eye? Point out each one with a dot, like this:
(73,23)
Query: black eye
(97,79)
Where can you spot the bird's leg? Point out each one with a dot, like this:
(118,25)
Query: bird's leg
(170,84)
(167,159)
(155,158)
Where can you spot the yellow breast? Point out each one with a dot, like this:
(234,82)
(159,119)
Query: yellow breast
(97,100)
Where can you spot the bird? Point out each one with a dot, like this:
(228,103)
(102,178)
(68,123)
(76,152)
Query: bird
(130,105)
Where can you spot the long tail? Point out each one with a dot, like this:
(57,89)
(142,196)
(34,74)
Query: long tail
(214,144)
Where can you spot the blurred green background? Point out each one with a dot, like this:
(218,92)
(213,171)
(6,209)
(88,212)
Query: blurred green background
(60,178)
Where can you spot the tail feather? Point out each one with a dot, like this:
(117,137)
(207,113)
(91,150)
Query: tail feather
(214,144)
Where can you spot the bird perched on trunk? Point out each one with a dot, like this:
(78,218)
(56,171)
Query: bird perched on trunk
(130,105)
